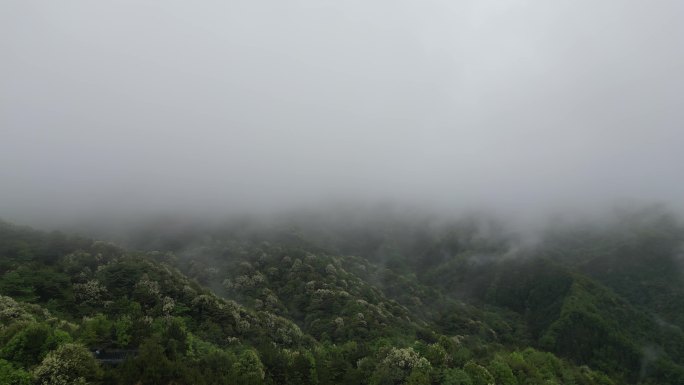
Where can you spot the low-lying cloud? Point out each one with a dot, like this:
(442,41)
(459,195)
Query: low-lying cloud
(217,106)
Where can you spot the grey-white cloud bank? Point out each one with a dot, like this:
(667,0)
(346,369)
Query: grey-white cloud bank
(522,105)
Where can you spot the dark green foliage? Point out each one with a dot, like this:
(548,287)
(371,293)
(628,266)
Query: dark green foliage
(454,376)
(10,375)
(478,373)
(31,343)
(151,366)
(501,372)
(249,369)
(391,302)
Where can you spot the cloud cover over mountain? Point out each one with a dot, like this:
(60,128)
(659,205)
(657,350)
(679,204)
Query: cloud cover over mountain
(520,105)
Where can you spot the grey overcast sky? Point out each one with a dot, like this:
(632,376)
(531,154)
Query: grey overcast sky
(224,105)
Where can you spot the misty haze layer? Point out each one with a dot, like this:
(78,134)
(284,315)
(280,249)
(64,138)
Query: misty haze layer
(246,105)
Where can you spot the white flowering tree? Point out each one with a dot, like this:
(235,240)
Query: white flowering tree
(70,364)
(401,366)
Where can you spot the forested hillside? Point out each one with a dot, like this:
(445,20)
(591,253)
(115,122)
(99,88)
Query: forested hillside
(384,299)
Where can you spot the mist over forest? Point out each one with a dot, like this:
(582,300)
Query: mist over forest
(524,107)
(341,192)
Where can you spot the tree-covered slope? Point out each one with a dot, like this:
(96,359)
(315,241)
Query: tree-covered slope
(408,302)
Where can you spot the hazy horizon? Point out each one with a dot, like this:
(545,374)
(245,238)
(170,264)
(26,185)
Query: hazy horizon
(521,107)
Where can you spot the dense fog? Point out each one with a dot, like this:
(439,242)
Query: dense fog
(114,108)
